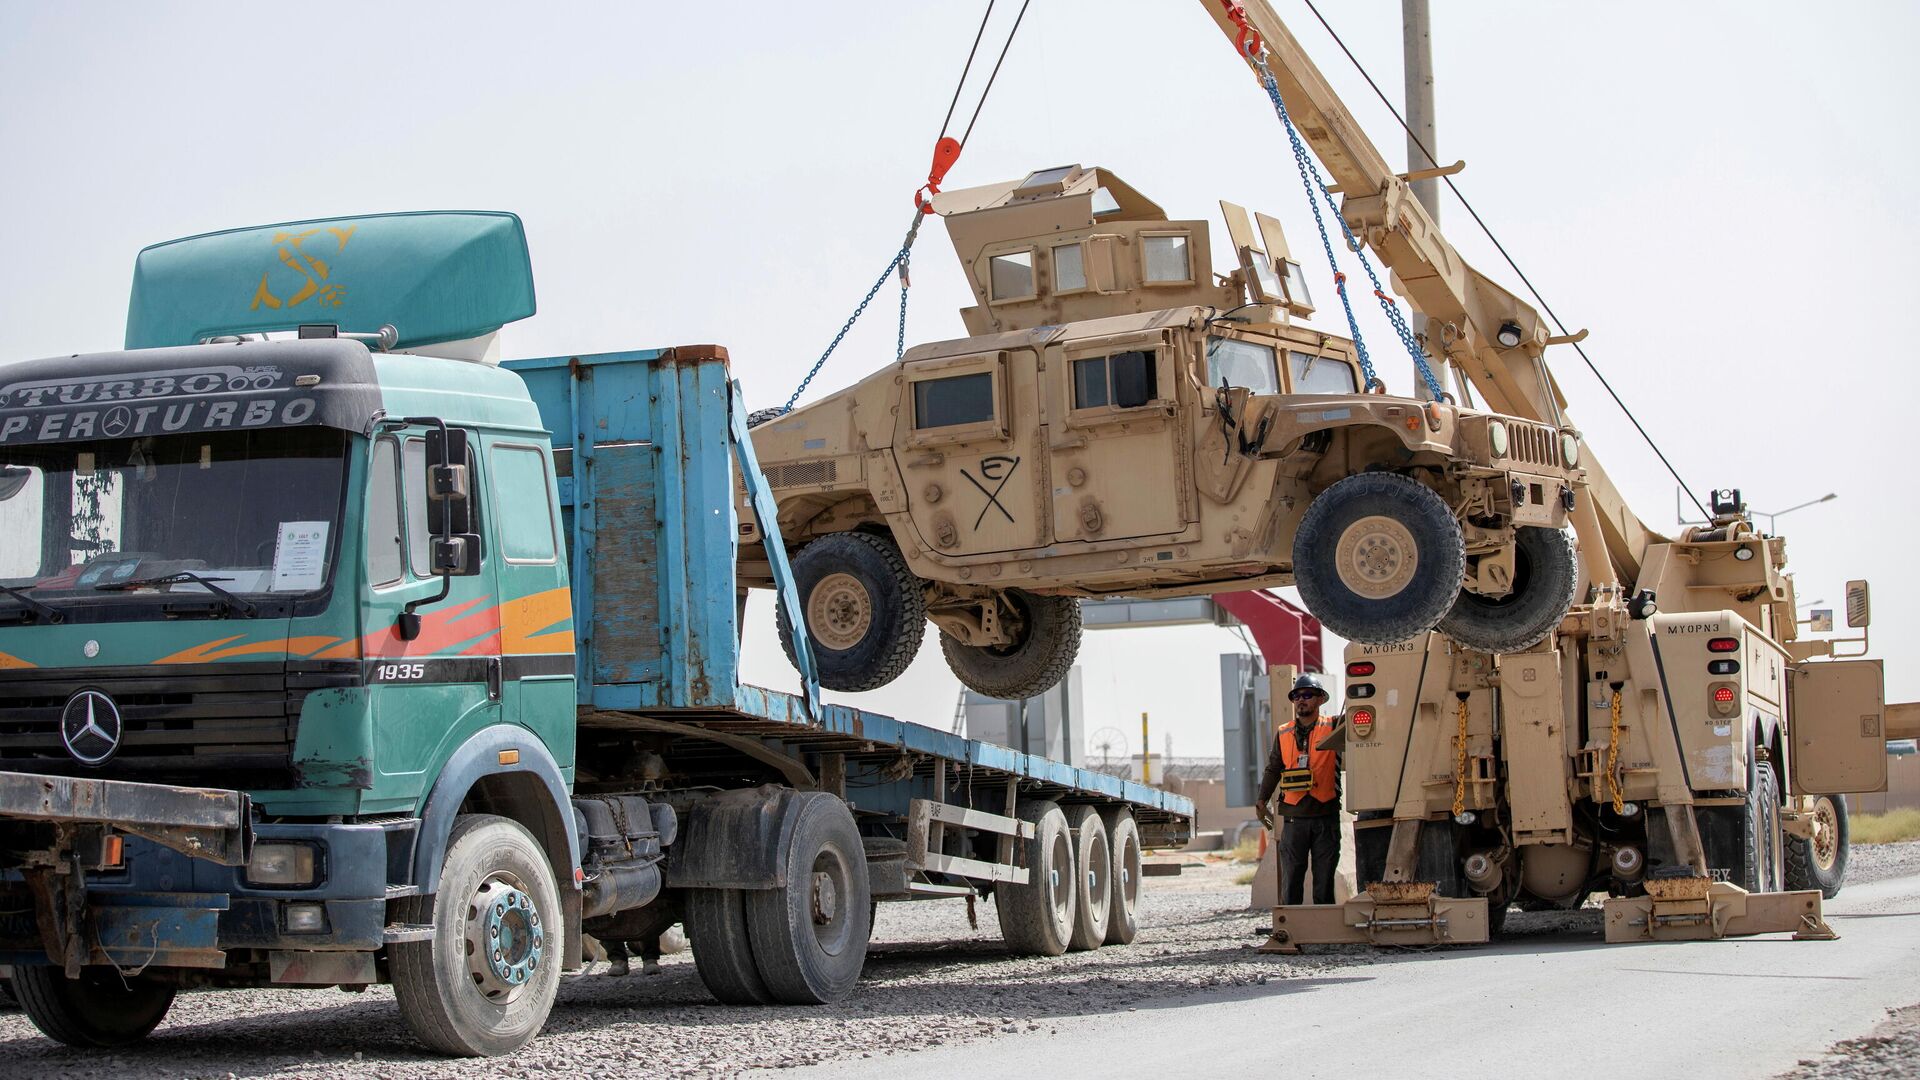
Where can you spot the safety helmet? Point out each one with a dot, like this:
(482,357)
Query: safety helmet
(1309,683)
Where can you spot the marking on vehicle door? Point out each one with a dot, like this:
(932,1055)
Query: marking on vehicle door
(998,468)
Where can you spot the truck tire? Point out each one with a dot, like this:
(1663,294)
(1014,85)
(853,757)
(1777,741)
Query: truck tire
(865,611)
(809,936)
(1370,849)
(1036,919)
(1545,575)
(761,416)
(485,982)
(1093,884)
(99,1010)
(1820,861)
(722,953)
(1123,911)
(1379,558)
(1048,640)
(1763,835)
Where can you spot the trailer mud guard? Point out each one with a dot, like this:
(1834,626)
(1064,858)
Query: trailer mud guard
(735,839)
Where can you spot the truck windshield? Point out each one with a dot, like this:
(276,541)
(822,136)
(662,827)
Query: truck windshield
(249,512)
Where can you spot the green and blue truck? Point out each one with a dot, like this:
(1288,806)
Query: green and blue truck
(335,652)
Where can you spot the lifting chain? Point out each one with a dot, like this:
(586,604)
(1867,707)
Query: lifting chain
(899,263)
(1613,757)
(1460,762)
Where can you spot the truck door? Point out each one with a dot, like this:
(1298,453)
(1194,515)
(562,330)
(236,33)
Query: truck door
(536,654)
(965,444)
(1113,428)
(1837,716)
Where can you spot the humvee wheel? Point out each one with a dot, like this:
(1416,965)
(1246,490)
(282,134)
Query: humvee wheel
(1820,861)
(98,1010)
(1545,576)
(1046,633)
(865,611)
(1378,558)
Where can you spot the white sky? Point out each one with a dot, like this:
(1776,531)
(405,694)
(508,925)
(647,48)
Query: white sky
(1720,191)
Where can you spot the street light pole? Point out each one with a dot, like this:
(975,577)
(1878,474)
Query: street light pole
(1829,497)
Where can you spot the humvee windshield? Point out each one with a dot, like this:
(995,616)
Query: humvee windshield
(254,512)
(1321,375)
(1231,362)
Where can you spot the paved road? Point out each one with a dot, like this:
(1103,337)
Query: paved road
(1480,1012)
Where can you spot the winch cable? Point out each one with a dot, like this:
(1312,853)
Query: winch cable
(1511,264)
(946,151)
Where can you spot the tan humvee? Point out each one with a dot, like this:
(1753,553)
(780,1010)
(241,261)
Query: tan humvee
(1124,421)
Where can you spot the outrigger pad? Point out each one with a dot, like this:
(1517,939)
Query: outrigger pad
(1404,914)
(1696,909)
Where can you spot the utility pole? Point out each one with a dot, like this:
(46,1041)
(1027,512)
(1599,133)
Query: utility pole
(1417,42)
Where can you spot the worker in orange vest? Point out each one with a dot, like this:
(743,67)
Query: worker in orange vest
(1308,780)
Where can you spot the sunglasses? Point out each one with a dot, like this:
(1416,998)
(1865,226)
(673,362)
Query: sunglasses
(1305,695)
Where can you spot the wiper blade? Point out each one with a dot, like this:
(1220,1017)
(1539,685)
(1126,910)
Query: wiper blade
(45,611)
(246,607)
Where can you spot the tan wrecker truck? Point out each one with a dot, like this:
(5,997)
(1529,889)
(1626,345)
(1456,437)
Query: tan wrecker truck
(1671,744)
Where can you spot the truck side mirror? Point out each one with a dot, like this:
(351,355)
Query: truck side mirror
(448,509)
(457,555)
(1859,608)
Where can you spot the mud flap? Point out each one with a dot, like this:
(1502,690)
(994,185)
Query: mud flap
(1697,909)
(1386,914)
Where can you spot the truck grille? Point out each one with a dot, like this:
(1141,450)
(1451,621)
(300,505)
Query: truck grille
(193,724)
(1534,444)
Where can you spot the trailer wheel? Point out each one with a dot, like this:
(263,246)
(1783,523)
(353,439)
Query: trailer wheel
(722,953)
(1047,639)
(98,1010)
(1763,833)
(485,982)
(865,611)
(1378,558)
(810,935)
(1123,841)
(1546,574)
(1093,883)
(1820,861)
(1036,919)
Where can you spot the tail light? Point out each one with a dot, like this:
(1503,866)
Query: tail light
(1360,669)
(1723,667)
(1725,697)
(1362,721)
(1360,690)
(1723,644)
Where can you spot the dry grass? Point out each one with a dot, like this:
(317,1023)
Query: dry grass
(1889,828)
(1245,877)
(1248,849)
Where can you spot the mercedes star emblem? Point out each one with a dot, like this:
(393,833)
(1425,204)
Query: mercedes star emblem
(90,726)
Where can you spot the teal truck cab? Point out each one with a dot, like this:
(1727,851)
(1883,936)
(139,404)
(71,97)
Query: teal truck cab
(335,652)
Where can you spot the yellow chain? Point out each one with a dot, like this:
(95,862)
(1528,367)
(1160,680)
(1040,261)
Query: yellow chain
(1613,758)
(1460,763)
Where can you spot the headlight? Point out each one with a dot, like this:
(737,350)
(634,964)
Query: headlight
(284,865)
(1570,449)
(1497,438)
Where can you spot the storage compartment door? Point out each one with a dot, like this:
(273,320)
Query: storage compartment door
(1839,730)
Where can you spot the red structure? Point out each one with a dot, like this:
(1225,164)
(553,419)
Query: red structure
(1285,633)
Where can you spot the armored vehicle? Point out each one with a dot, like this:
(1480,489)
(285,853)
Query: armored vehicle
(1121,420)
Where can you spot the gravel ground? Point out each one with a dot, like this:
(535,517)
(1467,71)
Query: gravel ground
(930,979)
(1893,1050)
(1874,862)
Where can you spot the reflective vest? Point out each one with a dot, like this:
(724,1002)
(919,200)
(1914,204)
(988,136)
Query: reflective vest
(1317,775)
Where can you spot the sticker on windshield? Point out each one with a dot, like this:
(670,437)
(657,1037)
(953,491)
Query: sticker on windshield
(300,556)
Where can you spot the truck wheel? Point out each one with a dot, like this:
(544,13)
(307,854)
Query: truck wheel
(1378,558)
(1763,833)
(1036,919)
(1545,576)
(717,930)
(1046,641)
(98,1010)
(1123,911)
(865,611)
(484,983)
(810,935)
(1093,884)
(1820,861)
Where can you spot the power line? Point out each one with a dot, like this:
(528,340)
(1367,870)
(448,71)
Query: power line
(1511,264)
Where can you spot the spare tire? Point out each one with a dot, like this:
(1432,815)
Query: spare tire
(865,611)
(1545,576)
(1379,558)
(1046,641)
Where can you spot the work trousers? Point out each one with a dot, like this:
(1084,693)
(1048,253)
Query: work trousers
(1301,838)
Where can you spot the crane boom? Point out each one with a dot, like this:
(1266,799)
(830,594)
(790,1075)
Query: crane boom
(1465,309)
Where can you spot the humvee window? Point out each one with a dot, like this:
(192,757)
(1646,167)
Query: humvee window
(1125,380)
(1166,259)
(1104,203)
(1296,283)
(1012,275)
(1321,375)
(950,402)
(1069,269)
(1231,362)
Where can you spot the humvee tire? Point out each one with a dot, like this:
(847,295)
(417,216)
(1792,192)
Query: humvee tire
(1379,558)
(865,611)
(1545,577)
(1048,641)
(1823,866)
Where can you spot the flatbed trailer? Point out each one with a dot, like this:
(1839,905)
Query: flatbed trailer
(497,710)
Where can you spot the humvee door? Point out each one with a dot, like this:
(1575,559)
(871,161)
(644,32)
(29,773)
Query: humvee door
(1113,429)
(972,486)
